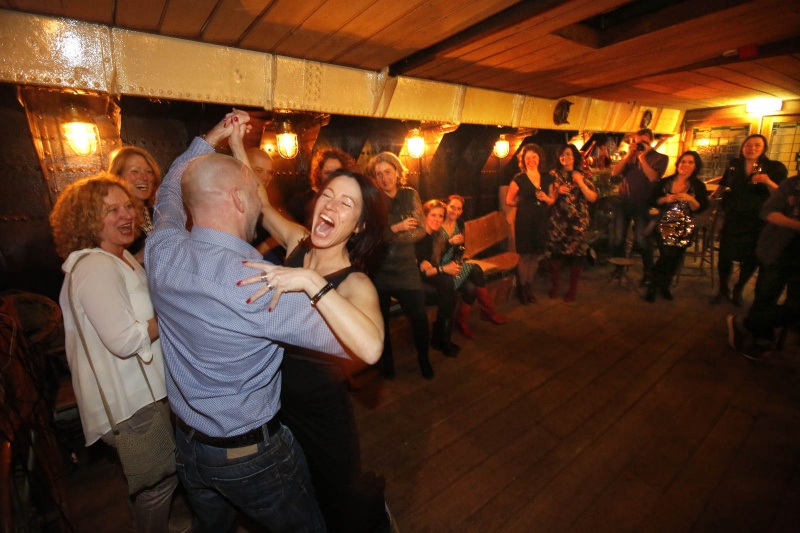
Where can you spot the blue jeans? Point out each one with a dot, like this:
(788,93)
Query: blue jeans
(639,213)
(271,485)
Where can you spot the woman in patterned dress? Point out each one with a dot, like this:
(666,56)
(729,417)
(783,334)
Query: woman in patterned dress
(569,220)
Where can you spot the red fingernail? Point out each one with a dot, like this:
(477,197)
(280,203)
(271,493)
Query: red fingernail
(236,119)
(270,309)
(248,300)
(238,283)
(244,262)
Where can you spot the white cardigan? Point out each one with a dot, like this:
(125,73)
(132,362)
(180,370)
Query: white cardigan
(112,303)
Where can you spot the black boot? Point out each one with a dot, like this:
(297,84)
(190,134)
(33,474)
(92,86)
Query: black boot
(651,293)
(388,364)
(442,331)
(425,366)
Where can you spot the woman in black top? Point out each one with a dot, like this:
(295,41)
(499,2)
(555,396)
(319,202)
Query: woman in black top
(438,280)
(532,193)
(746,185)
(678,197)
(347,226)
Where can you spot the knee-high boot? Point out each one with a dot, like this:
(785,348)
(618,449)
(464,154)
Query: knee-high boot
(462,319)
(555,277)
(442,331)
(574,276)
(488,312)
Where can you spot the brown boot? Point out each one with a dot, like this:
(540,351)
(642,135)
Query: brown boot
(488,311)
(462,319)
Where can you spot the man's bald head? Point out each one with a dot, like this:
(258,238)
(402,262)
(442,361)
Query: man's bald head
(221,193)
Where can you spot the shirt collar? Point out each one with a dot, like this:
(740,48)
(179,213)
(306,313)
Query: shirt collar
(226,240)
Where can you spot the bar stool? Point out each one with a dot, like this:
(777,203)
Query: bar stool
(622,265)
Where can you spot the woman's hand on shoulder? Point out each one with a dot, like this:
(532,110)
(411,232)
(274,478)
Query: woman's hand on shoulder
(278,280)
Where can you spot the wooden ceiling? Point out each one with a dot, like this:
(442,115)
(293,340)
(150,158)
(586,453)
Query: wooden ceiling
(684,54)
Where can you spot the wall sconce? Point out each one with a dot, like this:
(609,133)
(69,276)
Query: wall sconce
(763,106)
(501,147)
(415,143)
(287,141)
(80,131)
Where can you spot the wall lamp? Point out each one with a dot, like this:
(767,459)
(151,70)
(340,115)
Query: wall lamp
(501,147)
(80,131)
(415,143)
(286,139)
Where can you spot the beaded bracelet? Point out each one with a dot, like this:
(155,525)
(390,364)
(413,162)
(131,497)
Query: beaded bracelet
(322,292)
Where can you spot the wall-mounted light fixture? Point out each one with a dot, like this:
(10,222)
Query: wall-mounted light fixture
(80,131)
(286,139)
(415,143)
(763,106)
(501,147)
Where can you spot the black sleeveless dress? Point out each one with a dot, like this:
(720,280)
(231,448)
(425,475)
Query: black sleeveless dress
(315,406)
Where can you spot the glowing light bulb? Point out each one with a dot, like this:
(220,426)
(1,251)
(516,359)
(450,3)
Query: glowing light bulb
(415,143)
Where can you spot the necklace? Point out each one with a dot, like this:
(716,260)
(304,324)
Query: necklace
(147,227)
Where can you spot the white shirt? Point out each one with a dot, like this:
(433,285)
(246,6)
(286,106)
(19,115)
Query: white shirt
(112,304)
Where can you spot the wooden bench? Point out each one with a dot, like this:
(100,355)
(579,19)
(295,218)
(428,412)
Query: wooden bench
(490,232)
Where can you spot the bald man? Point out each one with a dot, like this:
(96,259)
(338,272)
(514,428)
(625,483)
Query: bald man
(221,357)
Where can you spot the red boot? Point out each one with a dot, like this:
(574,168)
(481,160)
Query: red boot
(488,311)
(574,275)
(462,319)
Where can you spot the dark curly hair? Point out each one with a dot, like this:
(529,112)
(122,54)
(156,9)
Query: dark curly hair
(77,218)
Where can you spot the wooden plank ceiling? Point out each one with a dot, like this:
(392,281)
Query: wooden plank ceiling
(683,54)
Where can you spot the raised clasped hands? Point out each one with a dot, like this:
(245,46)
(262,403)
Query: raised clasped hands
(233,124)
(455,240)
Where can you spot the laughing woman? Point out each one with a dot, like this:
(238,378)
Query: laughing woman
(330,265)
(111,335)
(136,166)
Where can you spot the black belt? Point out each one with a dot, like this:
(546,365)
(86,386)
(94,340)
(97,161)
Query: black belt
(254,436)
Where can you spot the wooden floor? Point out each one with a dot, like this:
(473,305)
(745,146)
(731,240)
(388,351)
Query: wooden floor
(608,414)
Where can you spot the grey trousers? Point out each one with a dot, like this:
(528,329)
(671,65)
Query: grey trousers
(150,507)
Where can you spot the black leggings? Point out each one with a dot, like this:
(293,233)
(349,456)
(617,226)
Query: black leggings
(412,302)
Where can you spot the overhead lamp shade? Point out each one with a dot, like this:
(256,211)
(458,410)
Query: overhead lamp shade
(81,133)
(286,139)
(501,147)
(415,143)
(763,106)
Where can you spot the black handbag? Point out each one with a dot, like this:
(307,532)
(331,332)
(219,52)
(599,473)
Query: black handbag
(147,457)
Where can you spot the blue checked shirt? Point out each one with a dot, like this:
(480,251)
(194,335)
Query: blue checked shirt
(221,357)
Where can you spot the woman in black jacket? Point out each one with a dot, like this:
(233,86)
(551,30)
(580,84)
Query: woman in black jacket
(746,185)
